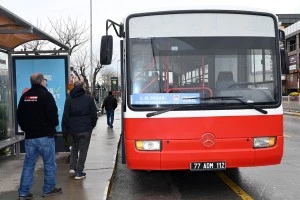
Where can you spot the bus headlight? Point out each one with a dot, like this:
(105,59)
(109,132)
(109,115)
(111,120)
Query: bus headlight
(263,142)
(148,145)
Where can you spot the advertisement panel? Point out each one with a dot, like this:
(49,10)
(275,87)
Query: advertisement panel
(54,69)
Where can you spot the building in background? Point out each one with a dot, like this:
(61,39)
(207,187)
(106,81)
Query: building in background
(288,19)
(291,25)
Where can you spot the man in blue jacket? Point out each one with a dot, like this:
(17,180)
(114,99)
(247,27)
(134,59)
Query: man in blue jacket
(79,119)
(37,116)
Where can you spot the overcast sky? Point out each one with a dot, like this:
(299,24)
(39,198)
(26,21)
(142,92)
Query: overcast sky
(116,10)
(42,10)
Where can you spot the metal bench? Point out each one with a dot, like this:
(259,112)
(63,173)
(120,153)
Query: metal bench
(13,141)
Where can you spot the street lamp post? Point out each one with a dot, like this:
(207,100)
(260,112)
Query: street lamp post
(91,46)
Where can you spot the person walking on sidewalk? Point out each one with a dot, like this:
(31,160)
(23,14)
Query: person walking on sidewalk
(79,119)
(110,103)
(37,116)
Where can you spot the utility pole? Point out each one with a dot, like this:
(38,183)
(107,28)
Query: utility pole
(91,45)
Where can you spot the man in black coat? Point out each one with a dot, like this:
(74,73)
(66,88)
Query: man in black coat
(110,103)
(79,119)
(37,116)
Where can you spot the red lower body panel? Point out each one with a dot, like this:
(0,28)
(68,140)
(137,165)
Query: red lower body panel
(174,155)
(182,142)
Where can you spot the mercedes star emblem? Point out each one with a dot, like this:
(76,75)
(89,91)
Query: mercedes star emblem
(208,139)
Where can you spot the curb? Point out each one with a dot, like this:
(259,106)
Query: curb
(292,113)
(108,188)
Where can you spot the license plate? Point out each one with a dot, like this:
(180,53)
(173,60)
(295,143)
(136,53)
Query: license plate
(207,166)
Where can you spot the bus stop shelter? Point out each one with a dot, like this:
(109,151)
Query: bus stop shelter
(14,32)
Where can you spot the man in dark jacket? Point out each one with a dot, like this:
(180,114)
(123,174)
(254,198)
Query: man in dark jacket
(110,103)
(37,116)
(79,119)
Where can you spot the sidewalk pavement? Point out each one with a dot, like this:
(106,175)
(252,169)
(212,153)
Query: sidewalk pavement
(99,168)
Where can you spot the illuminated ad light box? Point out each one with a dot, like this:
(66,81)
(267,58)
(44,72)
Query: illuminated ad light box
(54,69)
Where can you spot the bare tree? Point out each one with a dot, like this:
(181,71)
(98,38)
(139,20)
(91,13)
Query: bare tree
(71,33)
(79,66)
(74,35)
(106,75)
(36,45)
(97,67)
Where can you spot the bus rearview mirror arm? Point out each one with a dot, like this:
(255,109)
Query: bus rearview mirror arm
(120,33)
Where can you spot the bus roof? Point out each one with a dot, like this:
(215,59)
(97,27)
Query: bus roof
(183,8)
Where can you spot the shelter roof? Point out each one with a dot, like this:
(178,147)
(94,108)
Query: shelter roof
(14,31)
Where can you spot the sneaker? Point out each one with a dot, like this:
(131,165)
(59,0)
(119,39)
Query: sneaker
(80,175)
(55,191)
(27,197)
(72,172)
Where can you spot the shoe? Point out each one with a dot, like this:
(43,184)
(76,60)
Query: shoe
(55,191)
(111,126)
(27,197)
(80,175)
(72,172)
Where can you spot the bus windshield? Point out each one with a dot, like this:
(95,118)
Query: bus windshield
(168,66)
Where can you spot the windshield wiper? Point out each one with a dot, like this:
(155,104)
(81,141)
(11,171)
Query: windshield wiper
(151,114)
(237,98)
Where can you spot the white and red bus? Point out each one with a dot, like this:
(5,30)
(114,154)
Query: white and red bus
(201,89)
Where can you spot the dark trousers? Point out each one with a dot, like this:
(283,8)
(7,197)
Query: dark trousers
(110,117)
(80,146)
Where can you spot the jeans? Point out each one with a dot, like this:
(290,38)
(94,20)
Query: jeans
(110,117)
(81,142)
(45,147)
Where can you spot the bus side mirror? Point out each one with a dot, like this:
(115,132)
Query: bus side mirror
(284,61)
(106,49)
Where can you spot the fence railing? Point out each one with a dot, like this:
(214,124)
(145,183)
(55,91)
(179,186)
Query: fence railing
(291,103)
